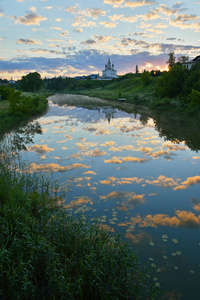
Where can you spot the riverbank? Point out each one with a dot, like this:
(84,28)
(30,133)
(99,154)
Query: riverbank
(18,109)
(163,92)
(46,254)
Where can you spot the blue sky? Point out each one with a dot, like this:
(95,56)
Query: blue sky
(70,38)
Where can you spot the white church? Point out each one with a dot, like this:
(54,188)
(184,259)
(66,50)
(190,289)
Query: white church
(109,72)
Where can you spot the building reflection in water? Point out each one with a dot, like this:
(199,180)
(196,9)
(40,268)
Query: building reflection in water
(109,113)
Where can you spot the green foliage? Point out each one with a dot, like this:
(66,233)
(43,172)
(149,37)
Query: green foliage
(20,108)
(31,82)
(47,255)
(194,98)
(5,92)
(145,78)
(192,81)
(171,83)
(29,105)
(183,58)
(60,84)
(171,60)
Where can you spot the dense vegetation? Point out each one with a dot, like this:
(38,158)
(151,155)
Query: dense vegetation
(32,82)
(182,84)
(19,107)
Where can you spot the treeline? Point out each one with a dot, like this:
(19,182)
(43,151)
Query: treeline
(180,83)
(59,84)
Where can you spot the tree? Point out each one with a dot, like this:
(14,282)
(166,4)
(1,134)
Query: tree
(171,83)
(145,78)
(136,69)
(31,82)
(183,58)
(171,60)
(194,98)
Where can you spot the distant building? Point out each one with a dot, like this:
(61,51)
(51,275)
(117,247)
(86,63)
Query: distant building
(109,71)
(189,64)
(94,76)
(11,81)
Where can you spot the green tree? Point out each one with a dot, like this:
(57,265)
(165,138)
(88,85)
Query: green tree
(183,58)
(145,78)
(31,82)
(194,98)
(171,83)
(193,80)
(5,92)
(171,60)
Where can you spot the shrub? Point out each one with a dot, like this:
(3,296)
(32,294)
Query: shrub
(194,98)
(145,78)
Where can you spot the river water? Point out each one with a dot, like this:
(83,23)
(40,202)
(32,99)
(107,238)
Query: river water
(136,172)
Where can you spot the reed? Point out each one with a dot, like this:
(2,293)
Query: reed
(45,254)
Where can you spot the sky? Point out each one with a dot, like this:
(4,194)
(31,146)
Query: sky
(76,37)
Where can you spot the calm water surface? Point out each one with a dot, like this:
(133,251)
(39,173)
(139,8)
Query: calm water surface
(137,173)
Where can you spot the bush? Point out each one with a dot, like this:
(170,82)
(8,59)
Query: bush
(194,99)
(145,78)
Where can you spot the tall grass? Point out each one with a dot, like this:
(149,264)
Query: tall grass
(45,254)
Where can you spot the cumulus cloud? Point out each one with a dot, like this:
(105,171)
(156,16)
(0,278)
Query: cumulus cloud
(33,167)
(94,12)
(88,42)
(28,41)
(64,33)
(96,152)
(103,38)
(108,144)
(162,181)
(191,180)
(40,149)
(181,219)
(88,12)
(81,200)
(109,181)
(108,24)
(185,18)
(30,19)
(173,147)
(116,17)
(184,21)
(138,3)
(128,200)
(134,159)
(113,160)
(114,3)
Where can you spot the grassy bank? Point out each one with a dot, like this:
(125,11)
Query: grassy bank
(17,109)
(176,90)
(47,255)
(130,89)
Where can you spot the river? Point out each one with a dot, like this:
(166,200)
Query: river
(135,171)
